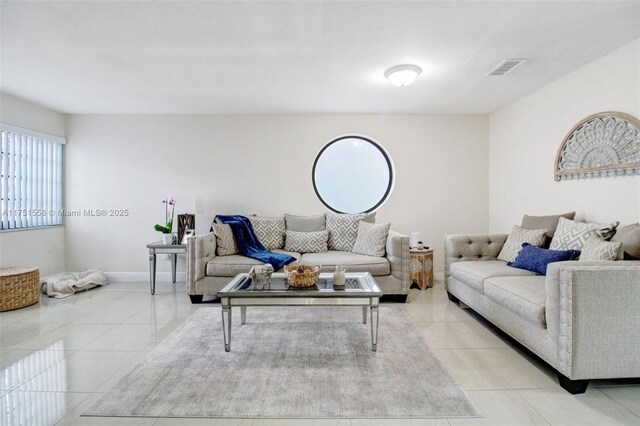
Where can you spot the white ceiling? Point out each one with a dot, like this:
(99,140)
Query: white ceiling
(297,57)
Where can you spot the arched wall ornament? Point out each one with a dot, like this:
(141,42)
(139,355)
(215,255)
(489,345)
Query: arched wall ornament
(601,145)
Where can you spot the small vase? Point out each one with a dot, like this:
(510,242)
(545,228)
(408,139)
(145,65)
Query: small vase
(167,238)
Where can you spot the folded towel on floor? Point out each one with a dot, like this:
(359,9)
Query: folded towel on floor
(68,283)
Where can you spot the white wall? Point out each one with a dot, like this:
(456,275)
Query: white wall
(45,247)
(525,136)
(258,164)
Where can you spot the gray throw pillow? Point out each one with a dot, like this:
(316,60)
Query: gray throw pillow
(571,235)
(225,241)
(517,237)
(371,239)
(343,230)
(305,223)
(550,223)
(629,236)
(595,248)
(269,230)
(306,242)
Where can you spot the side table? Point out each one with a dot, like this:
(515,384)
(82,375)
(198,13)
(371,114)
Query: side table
(421,268)
(161,248)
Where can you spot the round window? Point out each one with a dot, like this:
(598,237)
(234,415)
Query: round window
(352,174)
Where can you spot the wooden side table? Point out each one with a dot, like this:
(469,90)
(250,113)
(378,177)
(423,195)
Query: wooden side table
(421,267)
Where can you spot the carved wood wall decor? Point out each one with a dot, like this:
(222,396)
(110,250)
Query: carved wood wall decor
(601,145)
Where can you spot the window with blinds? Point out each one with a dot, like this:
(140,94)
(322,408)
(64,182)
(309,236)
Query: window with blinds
(31,179)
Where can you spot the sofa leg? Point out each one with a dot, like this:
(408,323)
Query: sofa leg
(196,298)
(453,298)
(573,386)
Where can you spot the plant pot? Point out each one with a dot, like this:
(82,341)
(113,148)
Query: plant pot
(167,238)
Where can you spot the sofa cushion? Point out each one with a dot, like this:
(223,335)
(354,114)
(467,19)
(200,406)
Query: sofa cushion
(343,230)
(630,237)
(269,230)
(230,266)
(524,296)
(595,248)
(376,266)
(550,223)
(225,241)
(371,239)
(305,223)
(518,237)
(306,242)
(572,235)
(536,259)
(473,273)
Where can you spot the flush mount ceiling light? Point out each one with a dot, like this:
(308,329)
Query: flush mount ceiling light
(403,75)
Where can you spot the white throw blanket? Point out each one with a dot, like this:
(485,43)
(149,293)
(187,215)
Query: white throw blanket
(65,284)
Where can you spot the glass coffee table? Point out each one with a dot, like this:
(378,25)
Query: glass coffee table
(360,289)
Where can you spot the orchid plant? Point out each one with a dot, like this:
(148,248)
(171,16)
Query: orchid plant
(169,209)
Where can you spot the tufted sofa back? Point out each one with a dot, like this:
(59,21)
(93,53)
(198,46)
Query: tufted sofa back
(463,247)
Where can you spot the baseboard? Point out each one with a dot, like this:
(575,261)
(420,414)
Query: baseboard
(144,276)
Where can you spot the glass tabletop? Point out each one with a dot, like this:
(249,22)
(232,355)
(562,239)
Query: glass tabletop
(355,284)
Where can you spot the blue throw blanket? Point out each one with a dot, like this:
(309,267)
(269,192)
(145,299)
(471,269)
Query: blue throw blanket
(249,244)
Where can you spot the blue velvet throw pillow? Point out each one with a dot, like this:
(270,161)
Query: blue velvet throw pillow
(536,259)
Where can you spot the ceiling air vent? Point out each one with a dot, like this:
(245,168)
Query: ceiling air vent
(506,66)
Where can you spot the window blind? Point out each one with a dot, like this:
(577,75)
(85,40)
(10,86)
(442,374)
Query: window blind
(30,179)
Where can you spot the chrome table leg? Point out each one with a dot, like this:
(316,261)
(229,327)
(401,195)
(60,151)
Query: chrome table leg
(226,324)
(243,315)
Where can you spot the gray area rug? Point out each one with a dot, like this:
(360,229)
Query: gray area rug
(290,362)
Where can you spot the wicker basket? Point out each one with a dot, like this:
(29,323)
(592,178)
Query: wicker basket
(18,288)
(302,275)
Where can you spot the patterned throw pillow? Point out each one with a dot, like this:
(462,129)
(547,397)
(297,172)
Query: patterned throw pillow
(306,242)
(519,236)
(371,239)
(225,242)
(572,235)
(596,248)
(269,230)
(629,236)
(343,230)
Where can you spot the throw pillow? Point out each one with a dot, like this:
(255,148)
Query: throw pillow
(306,242)
(595,248)
(343,230)
(371,239)
(629,236)
(571,235)
(305,223)
(536,259)
(225,242)
(269,230)
(550,223)
(519,236)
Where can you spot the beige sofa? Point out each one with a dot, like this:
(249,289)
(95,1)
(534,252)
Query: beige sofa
(582,318)
(207,273)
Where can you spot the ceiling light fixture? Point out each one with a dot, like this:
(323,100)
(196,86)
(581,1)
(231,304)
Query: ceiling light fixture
(403,75)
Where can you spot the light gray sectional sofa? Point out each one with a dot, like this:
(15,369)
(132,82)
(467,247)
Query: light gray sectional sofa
(208,273)
(583,318)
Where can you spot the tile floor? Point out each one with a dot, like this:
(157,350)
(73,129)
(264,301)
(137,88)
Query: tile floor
(59,356)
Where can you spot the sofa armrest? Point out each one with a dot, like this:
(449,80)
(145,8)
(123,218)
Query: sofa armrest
(464,247)
(592,314)
(200,250)
(398,255)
